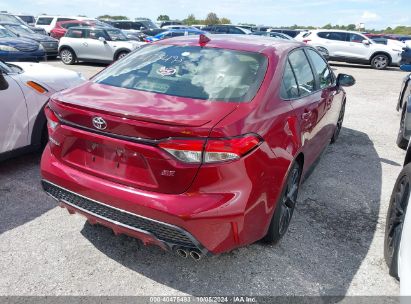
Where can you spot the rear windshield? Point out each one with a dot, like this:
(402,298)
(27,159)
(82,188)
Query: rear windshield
(44,20)
(189,71)
(27,19)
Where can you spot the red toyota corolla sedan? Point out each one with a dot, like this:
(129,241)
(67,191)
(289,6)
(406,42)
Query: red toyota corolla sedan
(197,145)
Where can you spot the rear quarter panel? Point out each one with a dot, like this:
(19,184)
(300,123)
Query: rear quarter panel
(263,172)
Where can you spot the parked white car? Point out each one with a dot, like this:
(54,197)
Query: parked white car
(24,90)
(352,47)
(49,22)
(95,45)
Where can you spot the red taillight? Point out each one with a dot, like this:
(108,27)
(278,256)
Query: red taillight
(52,119)
(212,150)
(306,40)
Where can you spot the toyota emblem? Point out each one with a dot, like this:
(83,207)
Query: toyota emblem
(99,123)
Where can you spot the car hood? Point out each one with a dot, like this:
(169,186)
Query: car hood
(11,41)
(51,77)
(39,38)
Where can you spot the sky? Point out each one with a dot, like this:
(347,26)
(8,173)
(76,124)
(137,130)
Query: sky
(376,14)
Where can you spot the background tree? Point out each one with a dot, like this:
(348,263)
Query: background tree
(328,26)
(351,27)
(225,21)
(190,20)
(211,19)
(112,17)
(163,18)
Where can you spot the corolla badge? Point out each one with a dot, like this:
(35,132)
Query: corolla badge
(99,123)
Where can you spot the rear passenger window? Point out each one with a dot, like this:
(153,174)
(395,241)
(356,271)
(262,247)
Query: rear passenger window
(289,87)
(325,76)
(303,72)
(44,21)
(338,36)
(233,30)
(64,19)
(221,29)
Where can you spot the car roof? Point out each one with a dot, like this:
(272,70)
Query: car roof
(339,31)
(93,28)
(184,30)
(250,43)
(75,21)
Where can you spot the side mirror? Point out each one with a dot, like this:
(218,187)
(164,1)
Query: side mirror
(4,85)
(102,39)
(366,42)
(406,67)
(345,80)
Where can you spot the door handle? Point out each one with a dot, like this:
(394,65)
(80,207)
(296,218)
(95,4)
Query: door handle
(85,43)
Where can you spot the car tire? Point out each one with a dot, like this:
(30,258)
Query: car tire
(339,124)
(67,56)
(121,55)
(285,206)
(395,219)
(380,61)
(402,142)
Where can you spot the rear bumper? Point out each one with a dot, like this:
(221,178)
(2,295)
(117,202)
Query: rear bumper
(168,237)
(201,218)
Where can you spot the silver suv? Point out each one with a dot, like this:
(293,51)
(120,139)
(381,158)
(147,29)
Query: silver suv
(353,47)
(95,44)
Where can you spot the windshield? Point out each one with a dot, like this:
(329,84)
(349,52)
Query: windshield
(27,19)
(4,33)
(10,18)
(97,23)
(116,35)
(189,71)
(148,24)
(19,29)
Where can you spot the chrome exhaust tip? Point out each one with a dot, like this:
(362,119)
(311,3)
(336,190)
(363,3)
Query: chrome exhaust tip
(195,255)
(182,253)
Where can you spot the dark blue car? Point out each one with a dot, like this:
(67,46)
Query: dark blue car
(14,48)
(406,56)
(49,44)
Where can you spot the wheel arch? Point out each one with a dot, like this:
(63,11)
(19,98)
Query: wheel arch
(67,47)
(381,53)
(38,127)
(120,51)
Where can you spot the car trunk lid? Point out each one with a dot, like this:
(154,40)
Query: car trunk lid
(125,149)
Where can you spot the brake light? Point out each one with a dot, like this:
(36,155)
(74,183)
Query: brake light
(52,119)
(212,150)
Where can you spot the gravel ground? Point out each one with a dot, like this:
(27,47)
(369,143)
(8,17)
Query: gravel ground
(334,245)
